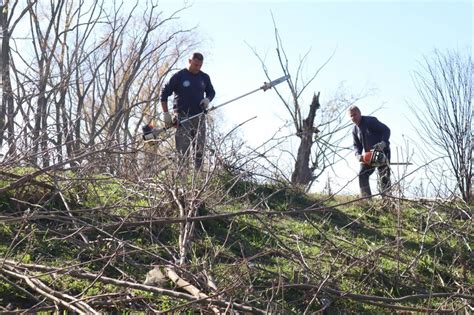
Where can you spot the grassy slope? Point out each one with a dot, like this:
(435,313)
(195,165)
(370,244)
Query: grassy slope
(277,260)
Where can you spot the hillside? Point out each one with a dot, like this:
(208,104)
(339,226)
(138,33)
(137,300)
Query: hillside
(222,242)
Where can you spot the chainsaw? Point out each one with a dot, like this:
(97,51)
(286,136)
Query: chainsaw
(374,158)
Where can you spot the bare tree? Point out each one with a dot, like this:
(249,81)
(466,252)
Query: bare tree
(444,119)
(319,138)
(8,23)
(90,75)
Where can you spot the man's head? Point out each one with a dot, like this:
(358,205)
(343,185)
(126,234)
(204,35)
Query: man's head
(195,63)
(355,114)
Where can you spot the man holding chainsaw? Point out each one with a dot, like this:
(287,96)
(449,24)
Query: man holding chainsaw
(371,137)
(193,91)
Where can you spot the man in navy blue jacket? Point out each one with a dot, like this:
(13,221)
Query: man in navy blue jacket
(368,133)
(193,91)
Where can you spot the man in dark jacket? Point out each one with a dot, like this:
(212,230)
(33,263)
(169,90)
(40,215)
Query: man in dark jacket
(369,133)
(193,91)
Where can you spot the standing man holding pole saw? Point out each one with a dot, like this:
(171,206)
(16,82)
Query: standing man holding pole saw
(193,91)
(193,118)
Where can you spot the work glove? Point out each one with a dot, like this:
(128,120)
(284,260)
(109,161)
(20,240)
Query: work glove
(167,119)
(204,103)
(380,146)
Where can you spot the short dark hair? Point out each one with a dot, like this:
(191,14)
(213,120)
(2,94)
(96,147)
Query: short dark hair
(354,108)
(197,56)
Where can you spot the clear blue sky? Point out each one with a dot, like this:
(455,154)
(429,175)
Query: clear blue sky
(376,44)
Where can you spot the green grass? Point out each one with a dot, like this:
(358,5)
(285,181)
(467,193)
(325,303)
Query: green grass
(357,248)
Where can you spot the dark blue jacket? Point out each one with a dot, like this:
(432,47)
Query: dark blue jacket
(369,132)
(189,89)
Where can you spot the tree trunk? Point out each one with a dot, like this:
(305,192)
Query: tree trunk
(302,174)
(6,107)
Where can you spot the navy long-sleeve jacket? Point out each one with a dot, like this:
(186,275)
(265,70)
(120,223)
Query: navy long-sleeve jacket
(369,132)
(189,89)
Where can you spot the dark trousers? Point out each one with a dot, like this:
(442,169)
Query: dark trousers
(384,179)
(190,139)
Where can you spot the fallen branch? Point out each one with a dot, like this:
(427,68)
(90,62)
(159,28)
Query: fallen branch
(134,285)
(385,301)
(65,300)
(185,285)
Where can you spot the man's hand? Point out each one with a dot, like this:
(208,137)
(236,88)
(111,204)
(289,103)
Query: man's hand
(204,103)
(360,157)
(380,146)
(167,119)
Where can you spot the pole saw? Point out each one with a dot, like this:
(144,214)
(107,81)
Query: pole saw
(150,132)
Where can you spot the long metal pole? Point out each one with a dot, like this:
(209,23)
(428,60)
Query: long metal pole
(153,134)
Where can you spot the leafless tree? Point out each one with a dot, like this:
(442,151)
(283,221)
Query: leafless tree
(319,136)
(8,22)
(444,115)
(89,77)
